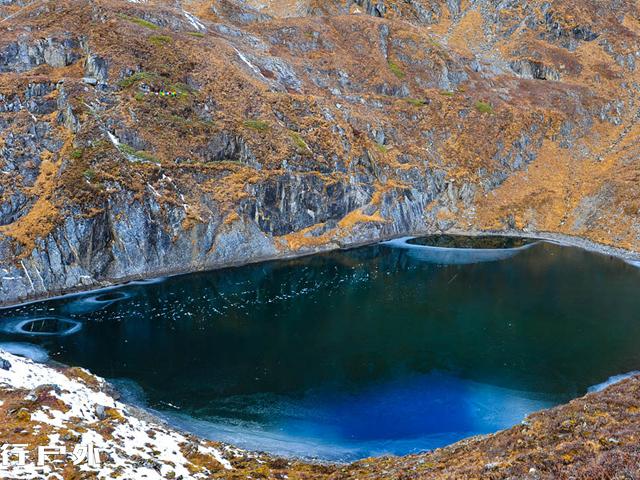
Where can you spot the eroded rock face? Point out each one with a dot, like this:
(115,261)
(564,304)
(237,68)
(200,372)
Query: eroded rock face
(97,67)
(377,8)
(23,55)
(531,69)
(568,36)
(224,146)
(139,139)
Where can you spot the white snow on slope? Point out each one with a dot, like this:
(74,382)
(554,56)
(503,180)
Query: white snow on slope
(195,21)
(247,62)
(136,445)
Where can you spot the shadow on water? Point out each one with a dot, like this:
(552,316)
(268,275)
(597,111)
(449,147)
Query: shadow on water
(361,352)
(481,242)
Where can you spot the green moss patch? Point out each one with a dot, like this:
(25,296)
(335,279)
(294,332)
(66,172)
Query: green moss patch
(160,40)
(77,153)
(299,142)
(382,148)
(157,83)
(416,102)
(139,155)
(139,21)
(259,125)
(484,107)
(396,70)
(138,77)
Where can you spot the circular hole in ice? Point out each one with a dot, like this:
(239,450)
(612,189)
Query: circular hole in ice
(110,297)
(95,302)
(48,326)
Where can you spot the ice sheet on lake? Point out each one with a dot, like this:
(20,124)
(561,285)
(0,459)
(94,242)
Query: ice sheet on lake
(27,350)
(454,256)
(18,326)
(100,299)
(414,414)
(611,380)
(130,391)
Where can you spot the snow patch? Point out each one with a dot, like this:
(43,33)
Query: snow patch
(245,60)
(114,139)
(194,21)
(134,443)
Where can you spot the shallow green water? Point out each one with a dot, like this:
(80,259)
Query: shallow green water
(348,354)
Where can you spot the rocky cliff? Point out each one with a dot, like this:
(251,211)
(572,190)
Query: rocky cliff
(140,138)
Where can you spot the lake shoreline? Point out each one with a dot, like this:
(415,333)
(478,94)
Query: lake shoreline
(558,238)
(587,437)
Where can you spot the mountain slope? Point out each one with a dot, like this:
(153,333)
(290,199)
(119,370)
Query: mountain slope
(145,138)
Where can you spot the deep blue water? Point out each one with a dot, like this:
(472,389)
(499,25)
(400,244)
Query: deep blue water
(393,348)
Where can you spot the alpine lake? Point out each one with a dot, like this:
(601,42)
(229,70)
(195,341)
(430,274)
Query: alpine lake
(398,347)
